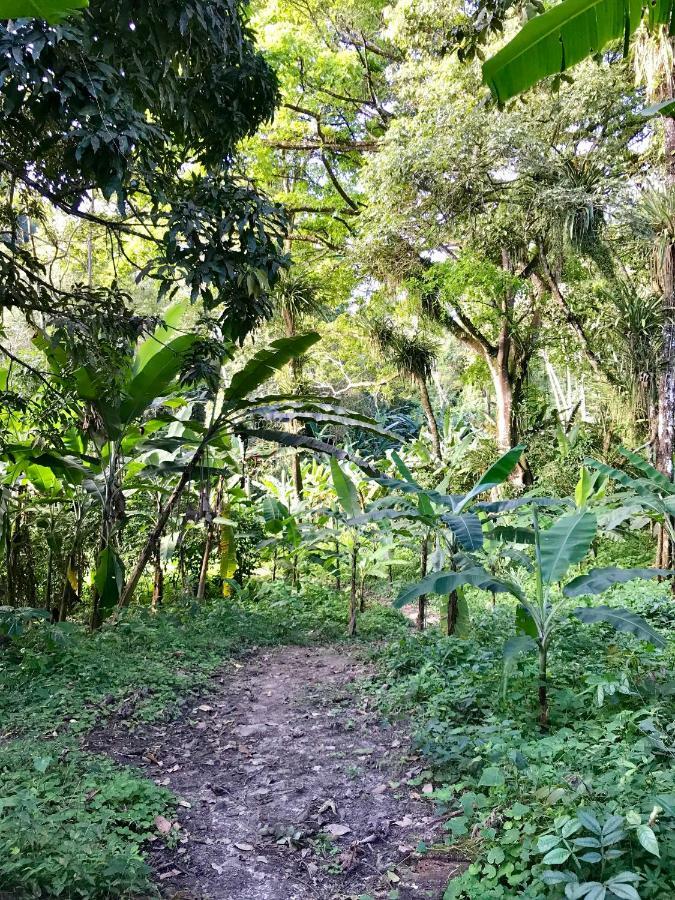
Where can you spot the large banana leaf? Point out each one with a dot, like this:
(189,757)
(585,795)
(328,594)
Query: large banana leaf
(563,36)
(565,543)
(660,481)
(286,439)
(345,489)
(51,11)
(446,582)
(266,362)
(495,475)
(109,579)
(621,620)
(379,515)
(156,364)
(598,580)
(467,529)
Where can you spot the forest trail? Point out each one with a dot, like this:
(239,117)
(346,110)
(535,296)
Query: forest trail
(296,790)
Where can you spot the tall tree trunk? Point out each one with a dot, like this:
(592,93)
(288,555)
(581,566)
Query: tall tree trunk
(430,417)
(665,422)
(422,602)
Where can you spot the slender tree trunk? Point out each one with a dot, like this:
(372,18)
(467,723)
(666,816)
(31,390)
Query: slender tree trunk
(158,585)
(422,602)
(156,533)
(453,612)
(430,417)
(208,544)
(353,605)
(338,574)
(69,595)
(362,592)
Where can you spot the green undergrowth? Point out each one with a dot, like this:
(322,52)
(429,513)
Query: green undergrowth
(515,796)
(73,824)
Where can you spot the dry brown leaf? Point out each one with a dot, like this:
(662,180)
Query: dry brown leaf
(162,825)
(336,829)
(242,845)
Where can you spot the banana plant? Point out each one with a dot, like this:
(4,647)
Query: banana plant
(559,38)
(456,523)
(541,612)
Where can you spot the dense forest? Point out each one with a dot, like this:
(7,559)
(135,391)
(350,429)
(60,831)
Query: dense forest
(337,425)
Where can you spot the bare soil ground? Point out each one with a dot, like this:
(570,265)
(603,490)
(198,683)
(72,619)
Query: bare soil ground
(291,788)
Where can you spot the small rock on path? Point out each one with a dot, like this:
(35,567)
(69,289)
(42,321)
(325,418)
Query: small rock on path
(291,788)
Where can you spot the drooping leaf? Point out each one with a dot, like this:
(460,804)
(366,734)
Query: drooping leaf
(563,36)
(525,624)
(109,579)
(446,582)
(659,480)
(266,362)
(286,439)
(565,543)
(515,646)
(622,620)
(598,580)
(228,557)
(345,489)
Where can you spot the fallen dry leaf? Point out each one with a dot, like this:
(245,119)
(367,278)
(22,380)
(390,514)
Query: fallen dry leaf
(405,822)
(428,789)
(337,830)
(241,845)
(162,825)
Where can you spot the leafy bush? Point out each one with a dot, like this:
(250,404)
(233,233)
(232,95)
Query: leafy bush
(504,785)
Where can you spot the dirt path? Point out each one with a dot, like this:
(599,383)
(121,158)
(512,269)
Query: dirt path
(292,787)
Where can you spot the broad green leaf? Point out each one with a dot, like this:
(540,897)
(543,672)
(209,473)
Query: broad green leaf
(514,534)
(153,373)
(621,620)
(589,821)
(52,11)
(266,362)
(228,557)
(402,468)
(560,38)
(648,839)
(658,479)
(556,857)
(467,529)
(497,474)
(345,489)
(598,580)
(584,487)
(525,624)
(380,515)
(516,646)
(446,582)
(565,543)
(492,777)
(109,579)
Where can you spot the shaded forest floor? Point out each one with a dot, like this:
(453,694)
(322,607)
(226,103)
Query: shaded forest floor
(290,787)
